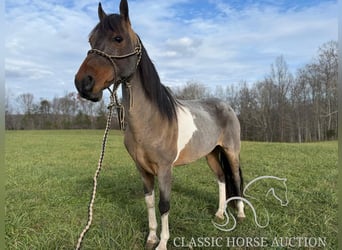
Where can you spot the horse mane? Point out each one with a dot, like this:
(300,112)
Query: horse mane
(155,91)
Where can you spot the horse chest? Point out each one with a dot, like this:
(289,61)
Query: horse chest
(151,150)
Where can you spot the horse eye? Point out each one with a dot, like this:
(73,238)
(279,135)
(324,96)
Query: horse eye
(118,39)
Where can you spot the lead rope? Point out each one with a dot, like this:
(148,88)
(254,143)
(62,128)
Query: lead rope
(113,102)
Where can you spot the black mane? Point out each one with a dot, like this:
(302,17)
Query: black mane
(155,91)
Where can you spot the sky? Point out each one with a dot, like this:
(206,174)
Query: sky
(212,42)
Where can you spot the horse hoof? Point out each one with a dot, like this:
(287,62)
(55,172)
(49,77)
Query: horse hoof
(150,245)
(241,218)
(219,216)
(152,241)
(161,248)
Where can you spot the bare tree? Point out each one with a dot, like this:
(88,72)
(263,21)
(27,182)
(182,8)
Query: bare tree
(25,101)
(282,80)
(191,91)
(327,70)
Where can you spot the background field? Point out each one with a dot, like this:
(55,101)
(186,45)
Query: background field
(49,180)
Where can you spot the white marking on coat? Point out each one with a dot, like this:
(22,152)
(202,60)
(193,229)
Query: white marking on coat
(240,206)
(165,234)
(152,221)
(222,199)
(186,128)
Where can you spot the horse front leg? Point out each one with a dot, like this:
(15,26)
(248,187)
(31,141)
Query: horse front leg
(164,180)
(148,181)
(152,238)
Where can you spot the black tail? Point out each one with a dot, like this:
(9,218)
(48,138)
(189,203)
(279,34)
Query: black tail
(231,187)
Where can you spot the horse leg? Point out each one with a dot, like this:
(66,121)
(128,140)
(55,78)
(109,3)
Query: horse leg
(214,164)
(237,181)
(148,180)
(164,181)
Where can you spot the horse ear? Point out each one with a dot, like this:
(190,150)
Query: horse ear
(101,13)
(124,10)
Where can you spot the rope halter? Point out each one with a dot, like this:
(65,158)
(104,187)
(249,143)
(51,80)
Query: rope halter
(137,51)
(116,83)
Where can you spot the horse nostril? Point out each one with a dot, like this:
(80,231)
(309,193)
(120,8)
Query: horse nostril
(88,83)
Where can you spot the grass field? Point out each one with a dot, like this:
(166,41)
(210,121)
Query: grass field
(49,181)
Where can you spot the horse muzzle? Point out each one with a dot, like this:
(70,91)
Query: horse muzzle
(85,88)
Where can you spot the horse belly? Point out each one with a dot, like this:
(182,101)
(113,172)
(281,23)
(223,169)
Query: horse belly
(197,148)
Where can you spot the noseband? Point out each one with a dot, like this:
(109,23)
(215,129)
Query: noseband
(137,51)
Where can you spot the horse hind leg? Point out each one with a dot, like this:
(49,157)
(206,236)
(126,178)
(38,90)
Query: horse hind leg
(230,163)
(214,164)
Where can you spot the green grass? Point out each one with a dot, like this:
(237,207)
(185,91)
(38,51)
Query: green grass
(49,181)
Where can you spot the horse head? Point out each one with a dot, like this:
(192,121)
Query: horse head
(280,193)
(114,55)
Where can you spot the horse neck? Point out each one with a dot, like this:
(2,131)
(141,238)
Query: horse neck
(139,110)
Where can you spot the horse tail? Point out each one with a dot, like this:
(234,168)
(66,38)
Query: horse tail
(231,189)
(241,180)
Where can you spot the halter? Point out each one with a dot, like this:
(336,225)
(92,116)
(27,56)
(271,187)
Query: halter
(137,51)
(114,98)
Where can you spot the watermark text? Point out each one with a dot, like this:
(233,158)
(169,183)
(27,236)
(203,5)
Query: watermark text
(261,242)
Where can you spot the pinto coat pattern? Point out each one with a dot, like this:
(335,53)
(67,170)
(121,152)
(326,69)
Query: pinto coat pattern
(161,131)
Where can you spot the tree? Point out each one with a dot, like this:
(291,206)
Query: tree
(327,70)
(282,80)
(191,91)
(248,114)
(25,101)
(42,117)
(266,95)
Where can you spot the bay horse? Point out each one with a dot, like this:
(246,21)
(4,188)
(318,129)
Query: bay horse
(161,132)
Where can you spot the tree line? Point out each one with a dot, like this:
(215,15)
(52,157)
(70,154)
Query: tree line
(67,112)
(283,107)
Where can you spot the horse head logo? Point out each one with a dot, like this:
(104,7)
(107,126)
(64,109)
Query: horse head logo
(279,193)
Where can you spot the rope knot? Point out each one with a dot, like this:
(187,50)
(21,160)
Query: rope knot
(111,105)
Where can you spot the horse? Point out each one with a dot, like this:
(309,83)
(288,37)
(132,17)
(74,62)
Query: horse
(160,132)
(279,192)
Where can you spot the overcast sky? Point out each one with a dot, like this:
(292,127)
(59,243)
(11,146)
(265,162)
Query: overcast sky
(213,42)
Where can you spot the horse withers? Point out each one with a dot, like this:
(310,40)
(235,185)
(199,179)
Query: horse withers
(161,132)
